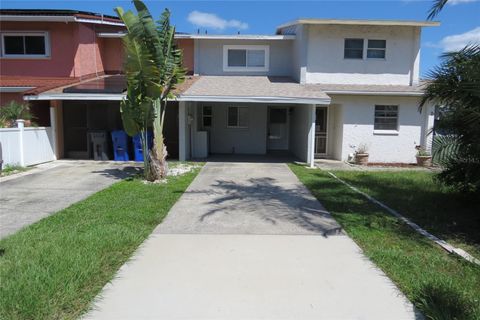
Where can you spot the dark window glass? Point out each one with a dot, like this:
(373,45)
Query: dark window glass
(353,49)
(377,44)
(35,45)
(376,49)
(237,58)
(207,121)
(386,118)
(232,116)
(278,116)
(207,111)
(13,44)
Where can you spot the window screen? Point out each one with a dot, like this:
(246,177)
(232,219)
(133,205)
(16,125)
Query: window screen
(386,117)
(353,49)
(237,117)
(255,58)
(376,49)
(245,58)
(237,58)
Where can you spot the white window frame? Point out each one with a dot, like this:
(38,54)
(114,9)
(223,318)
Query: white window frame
(384,50)
(238,117)
(45,34)
(227,68)
(386,131)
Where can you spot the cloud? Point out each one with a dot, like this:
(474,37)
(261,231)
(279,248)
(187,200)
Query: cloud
(458,41)
(455,2)
(210,20)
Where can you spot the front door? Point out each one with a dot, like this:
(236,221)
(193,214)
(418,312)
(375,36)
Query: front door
(277,137)
(321,131)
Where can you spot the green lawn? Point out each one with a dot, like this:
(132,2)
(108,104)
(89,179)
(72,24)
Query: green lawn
(441,285)
(451,216)
(54,268)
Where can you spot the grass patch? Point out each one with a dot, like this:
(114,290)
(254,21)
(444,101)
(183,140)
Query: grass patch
(10,169)
(54,268)
(449,215)
(442,286)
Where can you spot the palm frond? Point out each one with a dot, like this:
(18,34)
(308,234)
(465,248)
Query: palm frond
(445,148)
(436,8)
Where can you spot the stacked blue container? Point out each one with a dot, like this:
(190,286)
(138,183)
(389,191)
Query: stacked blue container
(137,145)
(120,145)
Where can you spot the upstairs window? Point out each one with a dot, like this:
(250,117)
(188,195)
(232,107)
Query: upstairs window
(386,117)
(32,44)
(353,49)
(245,58)
(376,49)
(237,117)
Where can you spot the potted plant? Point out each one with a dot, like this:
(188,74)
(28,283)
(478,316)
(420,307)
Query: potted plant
(424,158)
(361,154)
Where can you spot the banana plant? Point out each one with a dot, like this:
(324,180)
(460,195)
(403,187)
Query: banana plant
(153,67)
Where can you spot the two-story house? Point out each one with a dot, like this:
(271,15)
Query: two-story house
(316,88)
(44,53)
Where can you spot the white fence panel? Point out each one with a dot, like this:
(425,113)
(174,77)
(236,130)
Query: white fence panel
(38,145)
(27,146)
(10,146)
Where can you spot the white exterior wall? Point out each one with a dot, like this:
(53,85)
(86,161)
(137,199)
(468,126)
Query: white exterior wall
(299,53)
(326,63)
(251,140)
(357,116)
(27,146)
(209,57)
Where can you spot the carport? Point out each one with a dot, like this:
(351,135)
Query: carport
(248,115)
(93,106)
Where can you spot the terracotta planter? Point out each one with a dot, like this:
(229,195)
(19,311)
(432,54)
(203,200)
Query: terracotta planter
(424,161)
(361,159)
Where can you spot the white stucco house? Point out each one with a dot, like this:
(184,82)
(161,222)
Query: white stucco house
(317,89)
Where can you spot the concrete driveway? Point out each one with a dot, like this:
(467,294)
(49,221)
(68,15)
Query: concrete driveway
(248,241)
(33,195)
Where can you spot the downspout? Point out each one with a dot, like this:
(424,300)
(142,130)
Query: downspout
(94,48)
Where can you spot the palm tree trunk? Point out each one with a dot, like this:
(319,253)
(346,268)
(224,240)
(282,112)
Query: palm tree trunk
(158,155)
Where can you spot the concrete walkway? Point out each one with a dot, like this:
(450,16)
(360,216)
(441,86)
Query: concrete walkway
(248,241)
(35,194)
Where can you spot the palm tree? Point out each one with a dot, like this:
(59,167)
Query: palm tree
(455,85)
(153,68)
(436,8)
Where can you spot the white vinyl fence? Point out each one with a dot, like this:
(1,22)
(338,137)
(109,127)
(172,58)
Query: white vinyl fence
(26,146)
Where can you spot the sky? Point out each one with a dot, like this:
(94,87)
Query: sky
(460,19)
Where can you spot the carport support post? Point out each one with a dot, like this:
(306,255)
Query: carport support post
(182,130)
(21,149)
(53,125)
(311,136)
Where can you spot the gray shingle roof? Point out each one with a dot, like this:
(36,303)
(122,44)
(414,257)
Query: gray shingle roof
(264,88)
(261,87)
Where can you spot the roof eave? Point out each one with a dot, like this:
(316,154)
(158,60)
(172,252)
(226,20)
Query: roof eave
(76,96)
(360,22)
(374,93)
(41,18)
(254,99)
